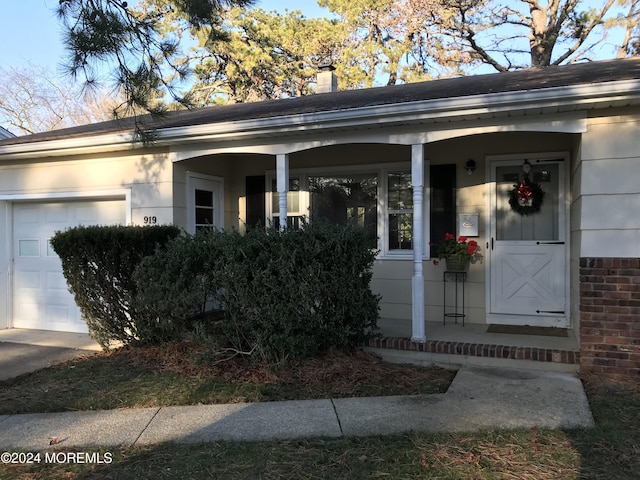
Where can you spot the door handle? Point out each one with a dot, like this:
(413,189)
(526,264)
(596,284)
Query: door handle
(549,243)
(491,243)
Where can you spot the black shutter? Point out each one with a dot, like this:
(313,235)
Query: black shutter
(254,188)
(443,204)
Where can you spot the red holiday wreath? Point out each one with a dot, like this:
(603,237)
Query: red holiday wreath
(526,197)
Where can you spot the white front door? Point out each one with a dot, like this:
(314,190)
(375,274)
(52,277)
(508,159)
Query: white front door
(41,298)
(205,202)
(527,253)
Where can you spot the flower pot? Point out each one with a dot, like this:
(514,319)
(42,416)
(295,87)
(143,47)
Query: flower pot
(457,263)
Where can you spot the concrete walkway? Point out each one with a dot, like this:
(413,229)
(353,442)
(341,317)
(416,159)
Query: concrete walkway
(478,398)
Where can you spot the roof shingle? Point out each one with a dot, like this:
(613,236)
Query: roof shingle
(523,80)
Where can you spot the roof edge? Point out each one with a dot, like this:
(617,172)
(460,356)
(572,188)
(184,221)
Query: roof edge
(579,97)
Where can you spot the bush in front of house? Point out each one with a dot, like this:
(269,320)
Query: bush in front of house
(173,290)
(98,263)
(282,294)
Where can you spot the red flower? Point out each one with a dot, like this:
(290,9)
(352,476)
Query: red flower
(435,262)
(452,248)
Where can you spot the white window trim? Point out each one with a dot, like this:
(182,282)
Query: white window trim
(381,170)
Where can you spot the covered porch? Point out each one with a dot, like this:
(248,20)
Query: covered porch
(431,178)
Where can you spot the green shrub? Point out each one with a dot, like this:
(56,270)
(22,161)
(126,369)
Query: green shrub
(98,263)
(172,287)
(284,294)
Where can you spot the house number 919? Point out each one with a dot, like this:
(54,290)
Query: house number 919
(150,220)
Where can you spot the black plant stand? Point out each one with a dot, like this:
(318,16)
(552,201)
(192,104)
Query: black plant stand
(450,276)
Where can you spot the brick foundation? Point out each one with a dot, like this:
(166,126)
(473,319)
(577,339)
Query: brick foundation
(610,316)
(478,350)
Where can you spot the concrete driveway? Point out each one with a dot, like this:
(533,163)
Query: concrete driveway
(24,351)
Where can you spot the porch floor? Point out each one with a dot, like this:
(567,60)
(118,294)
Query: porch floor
(472,344)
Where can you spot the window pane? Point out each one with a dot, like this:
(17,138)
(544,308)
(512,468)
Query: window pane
(400,231)
(543,225)
(50,251)
(293,196)
(400,191)
(293,202)
(400,206)
(204,216)
(349,198)
(29,248)
(294,185)
(204,198)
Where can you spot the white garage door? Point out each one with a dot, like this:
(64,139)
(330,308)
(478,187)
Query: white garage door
(41,299)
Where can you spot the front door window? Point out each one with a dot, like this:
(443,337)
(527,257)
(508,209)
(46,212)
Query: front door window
(543,225)
(204,209)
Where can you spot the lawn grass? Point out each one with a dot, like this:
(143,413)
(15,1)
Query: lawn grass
(611,450)
(442,456)
(180,374)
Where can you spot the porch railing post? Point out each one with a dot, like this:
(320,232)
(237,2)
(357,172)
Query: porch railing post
(417,281)
(282,185)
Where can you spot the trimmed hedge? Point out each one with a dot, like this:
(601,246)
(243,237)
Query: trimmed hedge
(173,286)
(98,263)
(284,294)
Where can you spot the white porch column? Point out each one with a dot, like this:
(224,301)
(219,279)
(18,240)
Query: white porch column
(417,281)
(282,185)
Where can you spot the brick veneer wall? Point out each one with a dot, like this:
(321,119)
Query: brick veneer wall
(610,316)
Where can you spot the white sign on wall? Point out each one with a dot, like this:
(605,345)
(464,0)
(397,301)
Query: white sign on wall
(468,224)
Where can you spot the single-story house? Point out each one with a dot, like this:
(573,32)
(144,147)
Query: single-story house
(410,163)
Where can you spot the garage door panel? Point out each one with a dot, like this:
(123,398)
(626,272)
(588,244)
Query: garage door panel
(58,314)
(56,282)
(57,214)
(41,297)
(29,214)
(28,311)
(84,215)
(28,280)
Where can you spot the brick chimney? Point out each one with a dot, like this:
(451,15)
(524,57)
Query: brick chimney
(326,81)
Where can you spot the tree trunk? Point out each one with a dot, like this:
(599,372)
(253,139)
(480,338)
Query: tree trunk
(541,44)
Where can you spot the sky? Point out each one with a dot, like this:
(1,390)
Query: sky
(30,30)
